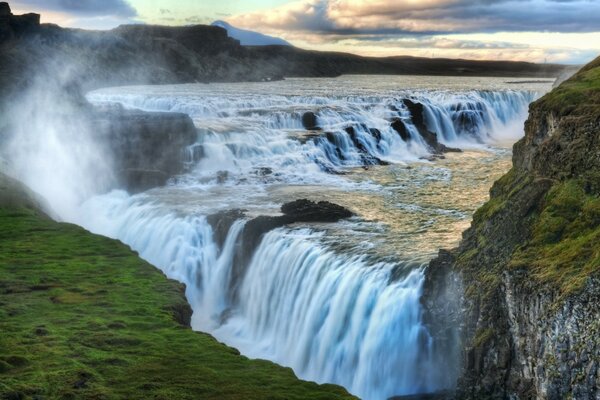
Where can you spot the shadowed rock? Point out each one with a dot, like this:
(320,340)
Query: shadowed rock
(221,223)
(418,119)
(310,121)
(147,148)
(399,126)
(293,212)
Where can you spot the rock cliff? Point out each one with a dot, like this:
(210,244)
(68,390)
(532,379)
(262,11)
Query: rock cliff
(516,304)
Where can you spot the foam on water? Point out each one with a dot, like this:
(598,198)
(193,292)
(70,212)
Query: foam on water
(309,298)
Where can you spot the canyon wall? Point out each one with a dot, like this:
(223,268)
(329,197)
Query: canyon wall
(517,301)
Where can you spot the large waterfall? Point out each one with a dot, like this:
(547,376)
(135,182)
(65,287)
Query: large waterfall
(338,303)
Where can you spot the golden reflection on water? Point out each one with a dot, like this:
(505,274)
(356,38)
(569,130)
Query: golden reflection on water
(413,210)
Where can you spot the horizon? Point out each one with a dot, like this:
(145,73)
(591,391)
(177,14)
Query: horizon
(540,31)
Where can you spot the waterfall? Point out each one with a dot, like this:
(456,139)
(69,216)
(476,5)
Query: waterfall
(338,318)
(246,135)
(319,303)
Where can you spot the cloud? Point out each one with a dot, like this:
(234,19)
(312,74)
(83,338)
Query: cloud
(427,16)
(568,29)
(80,8)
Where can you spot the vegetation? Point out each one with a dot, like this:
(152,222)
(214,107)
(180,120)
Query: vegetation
(579,95)
(563,250)
(82,317)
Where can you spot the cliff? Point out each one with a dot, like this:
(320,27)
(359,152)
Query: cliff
(83,317)
(517,301)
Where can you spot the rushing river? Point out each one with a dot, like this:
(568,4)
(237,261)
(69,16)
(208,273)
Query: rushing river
(336,302)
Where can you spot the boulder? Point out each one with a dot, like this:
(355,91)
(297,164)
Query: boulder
(310,121)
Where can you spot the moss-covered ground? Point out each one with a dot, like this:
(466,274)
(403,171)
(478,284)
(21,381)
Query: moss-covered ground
(565,246)
(579,95)
(82,317)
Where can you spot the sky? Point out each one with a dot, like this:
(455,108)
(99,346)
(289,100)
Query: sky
(563,31)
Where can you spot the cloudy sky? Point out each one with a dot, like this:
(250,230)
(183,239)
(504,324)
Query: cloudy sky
(566,31)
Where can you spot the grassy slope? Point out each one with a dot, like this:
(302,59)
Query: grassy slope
(81,316)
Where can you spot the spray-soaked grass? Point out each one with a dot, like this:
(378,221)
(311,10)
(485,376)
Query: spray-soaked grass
(81,316)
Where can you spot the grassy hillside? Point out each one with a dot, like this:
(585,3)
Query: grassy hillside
(82,317)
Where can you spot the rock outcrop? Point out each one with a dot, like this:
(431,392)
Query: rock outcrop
(15,26)
(147,148)
(521,292)
(298,211)
(417,114)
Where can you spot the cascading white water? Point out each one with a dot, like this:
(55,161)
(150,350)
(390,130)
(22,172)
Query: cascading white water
(337,318)
(310,297)
(243,133)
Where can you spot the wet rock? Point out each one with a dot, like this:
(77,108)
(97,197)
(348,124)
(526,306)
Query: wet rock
(310,121)
(147,148)
(221,223)
(309,211)
(140,180)
(222,177)
(399,126)
(296,211)
(418,119)
(367,158)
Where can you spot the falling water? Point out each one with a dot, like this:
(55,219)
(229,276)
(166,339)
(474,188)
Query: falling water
(338,303)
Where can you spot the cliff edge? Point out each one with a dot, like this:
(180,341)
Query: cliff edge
(517,302)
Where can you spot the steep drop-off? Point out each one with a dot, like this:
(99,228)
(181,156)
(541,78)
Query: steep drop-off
(82,316)
(517,302)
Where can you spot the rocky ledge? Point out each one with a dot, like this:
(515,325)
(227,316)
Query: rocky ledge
(516,304)
(298,211)
(147,148)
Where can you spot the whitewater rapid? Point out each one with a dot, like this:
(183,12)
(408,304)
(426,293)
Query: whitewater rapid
(339,303)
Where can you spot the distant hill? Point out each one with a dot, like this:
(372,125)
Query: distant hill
(250,38)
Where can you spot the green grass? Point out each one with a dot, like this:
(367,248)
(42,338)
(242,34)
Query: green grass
(82,317)
(564,250)
(580,95)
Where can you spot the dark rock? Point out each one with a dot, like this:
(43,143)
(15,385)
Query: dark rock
(264,171)
(418,119)
(182,312)
(367,158)
(5,9)
(308,211)
(399,126)
(222,177)
(310,121)
(376,133)
(443,395)
(293,212)
(221,223)
(296,211)
(147,148)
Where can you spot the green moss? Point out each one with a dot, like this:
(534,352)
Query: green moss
(81,316)
(579,95)
(563,250)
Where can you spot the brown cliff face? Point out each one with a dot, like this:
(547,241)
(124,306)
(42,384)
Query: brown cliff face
(529,325)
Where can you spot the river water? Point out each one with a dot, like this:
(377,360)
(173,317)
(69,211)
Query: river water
(338,303)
